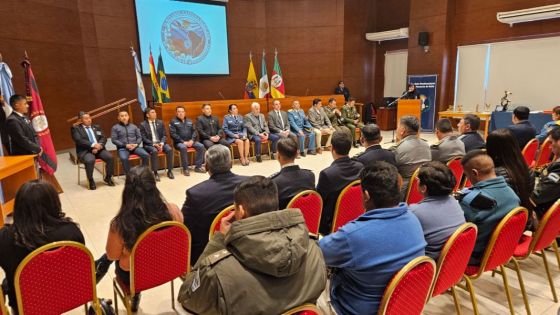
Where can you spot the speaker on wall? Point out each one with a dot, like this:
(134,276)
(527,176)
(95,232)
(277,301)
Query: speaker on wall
(423,38)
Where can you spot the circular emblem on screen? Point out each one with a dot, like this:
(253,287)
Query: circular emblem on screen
(185,36)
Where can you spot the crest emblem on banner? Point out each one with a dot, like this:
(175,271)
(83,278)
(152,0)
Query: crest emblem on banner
(276,80)
(186,37)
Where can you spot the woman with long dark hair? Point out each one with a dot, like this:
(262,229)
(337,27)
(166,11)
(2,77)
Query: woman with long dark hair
(38,220)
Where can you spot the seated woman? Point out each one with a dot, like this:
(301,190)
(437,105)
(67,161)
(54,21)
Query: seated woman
(504,150)
(439,213)
(142,207)
(235,131)
(38,220)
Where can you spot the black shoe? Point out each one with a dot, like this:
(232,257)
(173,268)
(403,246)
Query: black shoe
(135,303)
(199,170)
(187,172)
(156,175)
(170,175)
(92,184)
(109,181)
(303,154)
(101,267)
(273,156)
(259,159)
(312,152)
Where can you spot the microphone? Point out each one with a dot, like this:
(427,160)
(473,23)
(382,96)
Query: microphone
(221,95)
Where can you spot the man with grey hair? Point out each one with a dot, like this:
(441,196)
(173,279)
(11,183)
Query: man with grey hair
(257,127)
(205,200)
(410,151)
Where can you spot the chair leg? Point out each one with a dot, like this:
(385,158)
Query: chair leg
(555,247)
(115,298)
(550,281)
(173,297)
(506,288)
(470,287)
(456,301)
(522,286)
(78,165)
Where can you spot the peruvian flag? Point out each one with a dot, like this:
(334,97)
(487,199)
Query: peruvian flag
(47,160)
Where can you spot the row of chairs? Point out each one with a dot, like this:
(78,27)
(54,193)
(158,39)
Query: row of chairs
(537,156)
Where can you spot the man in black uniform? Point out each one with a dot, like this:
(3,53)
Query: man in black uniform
(22,137)
(522,129)
(371,139)
(468,127)
(341,89)
(547,190)
(154,140)
(90,145)
(208,128)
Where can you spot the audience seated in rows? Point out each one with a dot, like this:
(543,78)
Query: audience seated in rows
(205,200)
(449,145)
(439,212)
(261,262)
(321,123)
(549,126)
(371,139)
(351,119)
(547,190)
(367,252)
(183,134)
(37,220)
(291,179)
(468,127)
(209,130)
(154,139)
(126,136)
(334,178)
(300,126)
(487,201)
(335,116)
(258,132)
(522,129)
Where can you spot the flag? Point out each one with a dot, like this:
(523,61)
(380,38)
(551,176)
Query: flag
(264,88)
(141,92)
(251,87)
(47,160)
(155,85)
(277,82)
(6,88)
(165,97)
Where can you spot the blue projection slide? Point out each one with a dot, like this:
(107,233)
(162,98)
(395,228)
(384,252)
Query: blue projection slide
(192,36)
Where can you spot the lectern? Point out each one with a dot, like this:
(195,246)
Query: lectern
(408,108)
(14,172)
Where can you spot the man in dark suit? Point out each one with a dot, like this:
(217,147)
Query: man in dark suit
(90,145)
(22,137)
(342,89)
(154,138)
(205,200)
(468,127)
(278,122)
(522,129)
(334,178)
(291,179)
(208,128)
(371,139)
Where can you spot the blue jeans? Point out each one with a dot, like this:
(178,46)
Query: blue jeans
(124,154)
(258,143)
(301,140)
(199,156)
(155,159)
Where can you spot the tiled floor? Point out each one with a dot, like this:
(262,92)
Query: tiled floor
(94,209)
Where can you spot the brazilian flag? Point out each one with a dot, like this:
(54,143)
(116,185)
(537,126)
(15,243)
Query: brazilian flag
(162,79)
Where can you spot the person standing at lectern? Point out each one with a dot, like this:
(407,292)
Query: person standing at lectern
(411,93)
(22,137)
(90,145)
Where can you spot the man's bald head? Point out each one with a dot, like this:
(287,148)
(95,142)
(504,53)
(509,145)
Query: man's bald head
(478,166)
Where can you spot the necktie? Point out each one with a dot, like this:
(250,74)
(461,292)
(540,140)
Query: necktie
(90,135)
(154,132)
(281,120)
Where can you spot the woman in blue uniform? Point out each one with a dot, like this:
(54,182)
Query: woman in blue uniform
(236,132)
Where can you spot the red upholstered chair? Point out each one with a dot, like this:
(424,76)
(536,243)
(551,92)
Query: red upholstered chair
(55,279)
(413,194)
(453,261)
(408,291)
(545,154)
(132,157)
(307,309)
(160,255)
(215,226)
(529,151)
(177,154)
(349,205)
(499,252)
(311,205)
(82,166)
(455,166)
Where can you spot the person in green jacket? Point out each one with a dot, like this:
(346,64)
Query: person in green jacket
(261,262)
(351,119)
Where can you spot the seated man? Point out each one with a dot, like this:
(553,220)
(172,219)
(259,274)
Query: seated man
(258,131)
(547,128)
(522,129)
(468,127)
(321,124)
(205,200)
(278,122)
(367,252)
(371,138)
(334,178)
(154,138)
(90,145)
(449,145)
(547,190)
(351,119)
(127,138)
(487,201)
(208,128)
(302,128)
(335,116)
(261,262)
(183,133)
(410,151)
(291,179)
(439,213)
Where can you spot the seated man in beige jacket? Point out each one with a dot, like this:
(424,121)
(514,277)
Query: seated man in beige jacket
(321,123)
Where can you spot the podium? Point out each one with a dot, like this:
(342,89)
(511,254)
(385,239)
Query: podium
(14,172)
(408,108)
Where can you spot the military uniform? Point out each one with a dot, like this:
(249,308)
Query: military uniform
(298,123)
(335,118)
(447,148)
(547,190)
(410,153)
(349,114)
(546,129)
(320,122)
(234,125)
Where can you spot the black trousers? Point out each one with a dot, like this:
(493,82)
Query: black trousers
(89,161)
(154,156)
(208,143)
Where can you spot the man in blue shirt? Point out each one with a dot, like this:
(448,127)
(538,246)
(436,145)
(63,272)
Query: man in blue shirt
(367,252)
(547,128)
(302,128)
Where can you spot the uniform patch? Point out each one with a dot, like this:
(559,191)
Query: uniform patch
(196,281)
(554,177)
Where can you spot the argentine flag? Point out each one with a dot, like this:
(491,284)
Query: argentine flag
(141,92)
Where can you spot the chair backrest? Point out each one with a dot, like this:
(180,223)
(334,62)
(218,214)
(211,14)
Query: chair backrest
(545,154)
(162,253)
(413,194)
(457,169)
(55,279)
(311,205)
(549,227)
(3,308)
(306,309)
(349,205)
(215,226)
(454,258)
(505,238)
(408,291)
(530,150)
